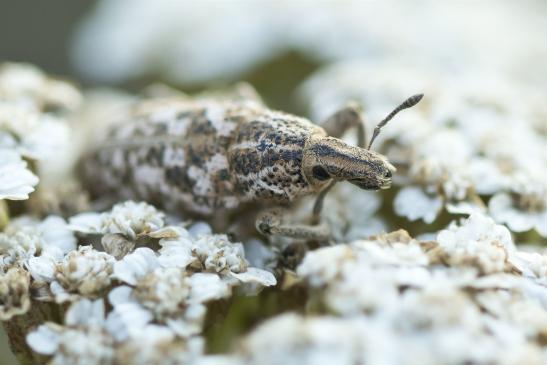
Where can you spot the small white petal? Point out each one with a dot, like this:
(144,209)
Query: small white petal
(119,295)
(413,203)
(43,340)
(42,268)
(169,232)
(89,223)
(85,312)
(56,233)
(254,275)
(207,287)
(127,320)
(136,265)
(199,229)
(16,180)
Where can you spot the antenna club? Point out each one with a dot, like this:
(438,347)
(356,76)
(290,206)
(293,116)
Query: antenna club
(413,100)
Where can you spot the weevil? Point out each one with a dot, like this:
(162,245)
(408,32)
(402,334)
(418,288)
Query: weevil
(208,155)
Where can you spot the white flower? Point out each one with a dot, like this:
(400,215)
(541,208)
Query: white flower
(413,203)
(212,253)
(217,254)
(16,180)
(524,209)
(25,238)
(478,242)
(132,218)
(82,340)
(206,287)
(177,252)
(83,272)
(446,307)
(167,295)
(129,219)
(365,276)
(136,265)
(324,265)
(254,275)
(163,291)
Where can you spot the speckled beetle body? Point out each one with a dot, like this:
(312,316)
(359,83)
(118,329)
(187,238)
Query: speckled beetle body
(202,156)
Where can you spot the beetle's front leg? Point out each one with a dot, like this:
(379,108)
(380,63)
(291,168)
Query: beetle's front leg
(350,116)
(269,222)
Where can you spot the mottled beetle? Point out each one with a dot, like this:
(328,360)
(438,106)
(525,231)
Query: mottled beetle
(211,154)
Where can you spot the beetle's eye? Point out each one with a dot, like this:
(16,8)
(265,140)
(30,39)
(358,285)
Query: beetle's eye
(387,174)
(320,173)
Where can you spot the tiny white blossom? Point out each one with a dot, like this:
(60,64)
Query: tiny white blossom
(524,209)
(136,265)
(84,272)
(478,242)
(16,180)
(129,218)
(413,203)
(25,238)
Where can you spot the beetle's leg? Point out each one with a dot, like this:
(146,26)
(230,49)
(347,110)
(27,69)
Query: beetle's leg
(318,206)
(350,116)
(269,223)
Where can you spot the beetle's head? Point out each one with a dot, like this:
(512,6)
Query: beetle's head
(328,158)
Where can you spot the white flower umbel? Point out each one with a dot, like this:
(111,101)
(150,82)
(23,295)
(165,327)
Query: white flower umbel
(16,180)
(477,242)
(130,219)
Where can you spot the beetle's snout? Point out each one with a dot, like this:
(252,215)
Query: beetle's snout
(386,180)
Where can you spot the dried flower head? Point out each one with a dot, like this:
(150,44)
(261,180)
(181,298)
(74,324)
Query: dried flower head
(14,293)
(85,272)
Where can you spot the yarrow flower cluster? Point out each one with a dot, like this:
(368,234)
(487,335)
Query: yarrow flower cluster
(460,298)
(163,293)
(449,155)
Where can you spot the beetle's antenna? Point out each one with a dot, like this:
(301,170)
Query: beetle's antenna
(408,103)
